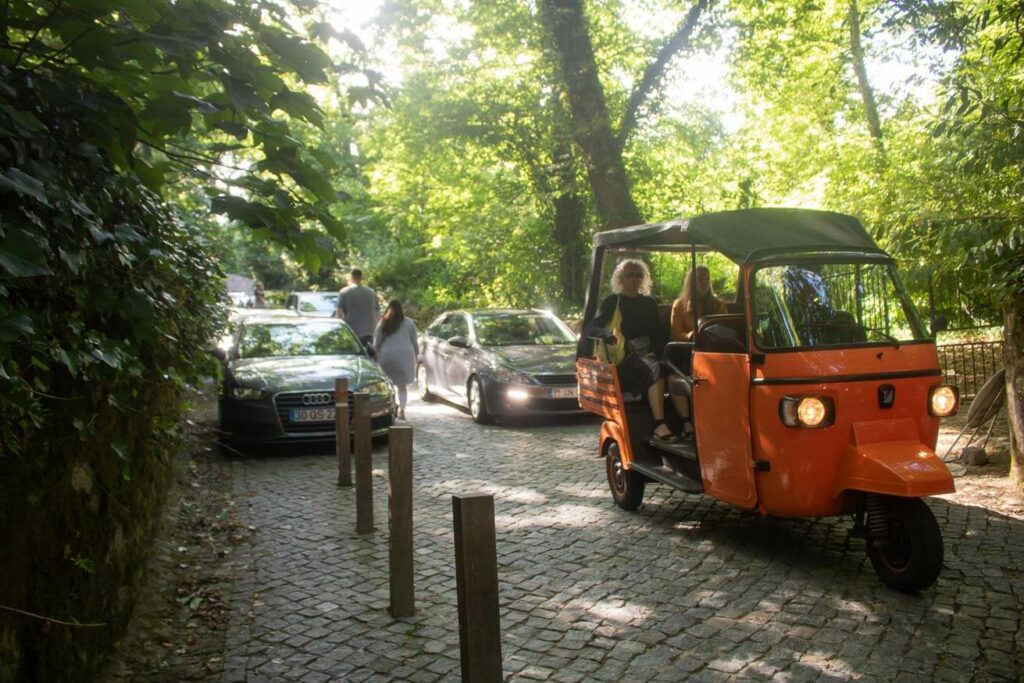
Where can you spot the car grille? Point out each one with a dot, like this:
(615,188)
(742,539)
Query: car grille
(556,379)
(284,404)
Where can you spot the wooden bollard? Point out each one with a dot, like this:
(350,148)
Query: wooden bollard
(476,576)
(400,521)
(341,433)
(364,464)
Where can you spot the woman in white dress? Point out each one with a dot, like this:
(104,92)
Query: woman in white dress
(394,340)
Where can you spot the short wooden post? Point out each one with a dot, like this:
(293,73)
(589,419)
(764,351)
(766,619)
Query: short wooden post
(476,576)
(364,464)
(341,433)
(400,559)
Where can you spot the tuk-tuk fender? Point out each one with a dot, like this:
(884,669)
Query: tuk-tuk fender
(612,431)
(897,468)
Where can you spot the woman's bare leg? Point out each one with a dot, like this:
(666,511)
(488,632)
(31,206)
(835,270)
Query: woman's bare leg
(656,399)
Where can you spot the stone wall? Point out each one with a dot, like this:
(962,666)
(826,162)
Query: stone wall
(77,520)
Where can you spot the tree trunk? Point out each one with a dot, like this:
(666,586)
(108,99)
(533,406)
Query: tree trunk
(867,95)
(566,26)
(1013,356)
(569,212)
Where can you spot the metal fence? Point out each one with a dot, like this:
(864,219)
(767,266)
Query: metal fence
(970,364)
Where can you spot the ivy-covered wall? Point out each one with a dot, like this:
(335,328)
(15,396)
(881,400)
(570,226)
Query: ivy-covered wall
(106,302)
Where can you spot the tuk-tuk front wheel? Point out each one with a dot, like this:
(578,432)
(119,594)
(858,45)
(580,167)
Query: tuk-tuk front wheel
(627,486)
(908,557)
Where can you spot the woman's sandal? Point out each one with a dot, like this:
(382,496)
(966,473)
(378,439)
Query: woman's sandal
(666,438)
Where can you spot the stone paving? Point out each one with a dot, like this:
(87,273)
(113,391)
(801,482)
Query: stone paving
(683,588)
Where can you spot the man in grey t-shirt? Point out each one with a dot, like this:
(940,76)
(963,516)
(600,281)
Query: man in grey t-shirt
(357,305)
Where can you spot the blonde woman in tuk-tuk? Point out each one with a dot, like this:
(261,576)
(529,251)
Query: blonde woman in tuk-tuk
(644,335)
(686,312)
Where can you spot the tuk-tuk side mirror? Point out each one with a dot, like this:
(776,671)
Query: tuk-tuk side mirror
(459,342)
(939,323)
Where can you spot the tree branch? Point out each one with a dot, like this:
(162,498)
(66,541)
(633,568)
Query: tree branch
(49,619)
(866,93)
(39,29)
(655,71)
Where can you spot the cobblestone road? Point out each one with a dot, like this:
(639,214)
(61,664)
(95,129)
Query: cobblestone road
(684,588)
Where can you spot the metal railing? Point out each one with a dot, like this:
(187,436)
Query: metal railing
(968,365)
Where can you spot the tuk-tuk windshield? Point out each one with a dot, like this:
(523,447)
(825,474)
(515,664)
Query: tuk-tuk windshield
(831,304)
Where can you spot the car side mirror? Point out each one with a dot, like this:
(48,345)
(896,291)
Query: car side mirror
(939,323)
(219,353)
(459,342)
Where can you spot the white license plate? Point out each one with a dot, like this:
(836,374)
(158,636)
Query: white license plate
(312,414)
(563,392)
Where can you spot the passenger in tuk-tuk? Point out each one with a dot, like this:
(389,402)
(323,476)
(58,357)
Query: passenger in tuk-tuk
(686,312)
(644,334)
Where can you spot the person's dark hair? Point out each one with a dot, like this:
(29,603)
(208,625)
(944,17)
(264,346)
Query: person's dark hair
(356,273)
(392,318)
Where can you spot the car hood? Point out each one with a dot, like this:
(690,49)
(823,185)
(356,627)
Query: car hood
(559,359)
(305,372)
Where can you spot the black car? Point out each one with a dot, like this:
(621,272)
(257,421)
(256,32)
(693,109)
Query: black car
(500,363)
(279,380)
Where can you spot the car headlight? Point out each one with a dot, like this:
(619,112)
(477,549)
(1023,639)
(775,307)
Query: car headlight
(503,374)
(943,401)
(808,411)
(247,393)
(380,388)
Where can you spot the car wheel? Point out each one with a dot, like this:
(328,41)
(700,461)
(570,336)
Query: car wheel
(477,402)
(421,384)
(909,557)
(627,486)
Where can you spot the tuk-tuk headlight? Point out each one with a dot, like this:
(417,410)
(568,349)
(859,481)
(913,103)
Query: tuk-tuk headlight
(943,401)
(811,411)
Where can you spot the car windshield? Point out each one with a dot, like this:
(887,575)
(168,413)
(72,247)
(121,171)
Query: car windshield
(514,329)
(318,303)
(264,340)
(831,304)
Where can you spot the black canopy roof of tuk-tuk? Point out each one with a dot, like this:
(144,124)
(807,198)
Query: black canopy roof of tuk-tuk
(747,234)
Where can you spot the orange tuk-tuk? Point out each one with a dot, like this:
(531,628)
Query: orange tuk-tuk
(817,393)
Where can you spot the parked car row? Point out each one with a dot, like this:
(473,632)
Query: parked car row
(280,366)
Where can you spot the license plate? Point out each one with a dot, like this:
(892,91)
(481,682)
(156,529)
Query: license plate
(312,414)
(563,392)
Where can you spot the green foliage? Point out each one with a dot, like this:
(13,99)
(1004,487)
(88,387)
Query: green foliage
(210,88)
(102,288)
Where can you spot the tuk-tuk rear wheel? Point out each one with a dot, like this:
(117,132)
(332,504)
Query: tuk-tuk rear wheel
(627,486)
(909,557)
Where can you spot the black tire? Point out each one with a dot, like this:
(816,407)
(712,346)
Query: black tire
(477,401)
(421,384)
(627,486)
(910,559)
